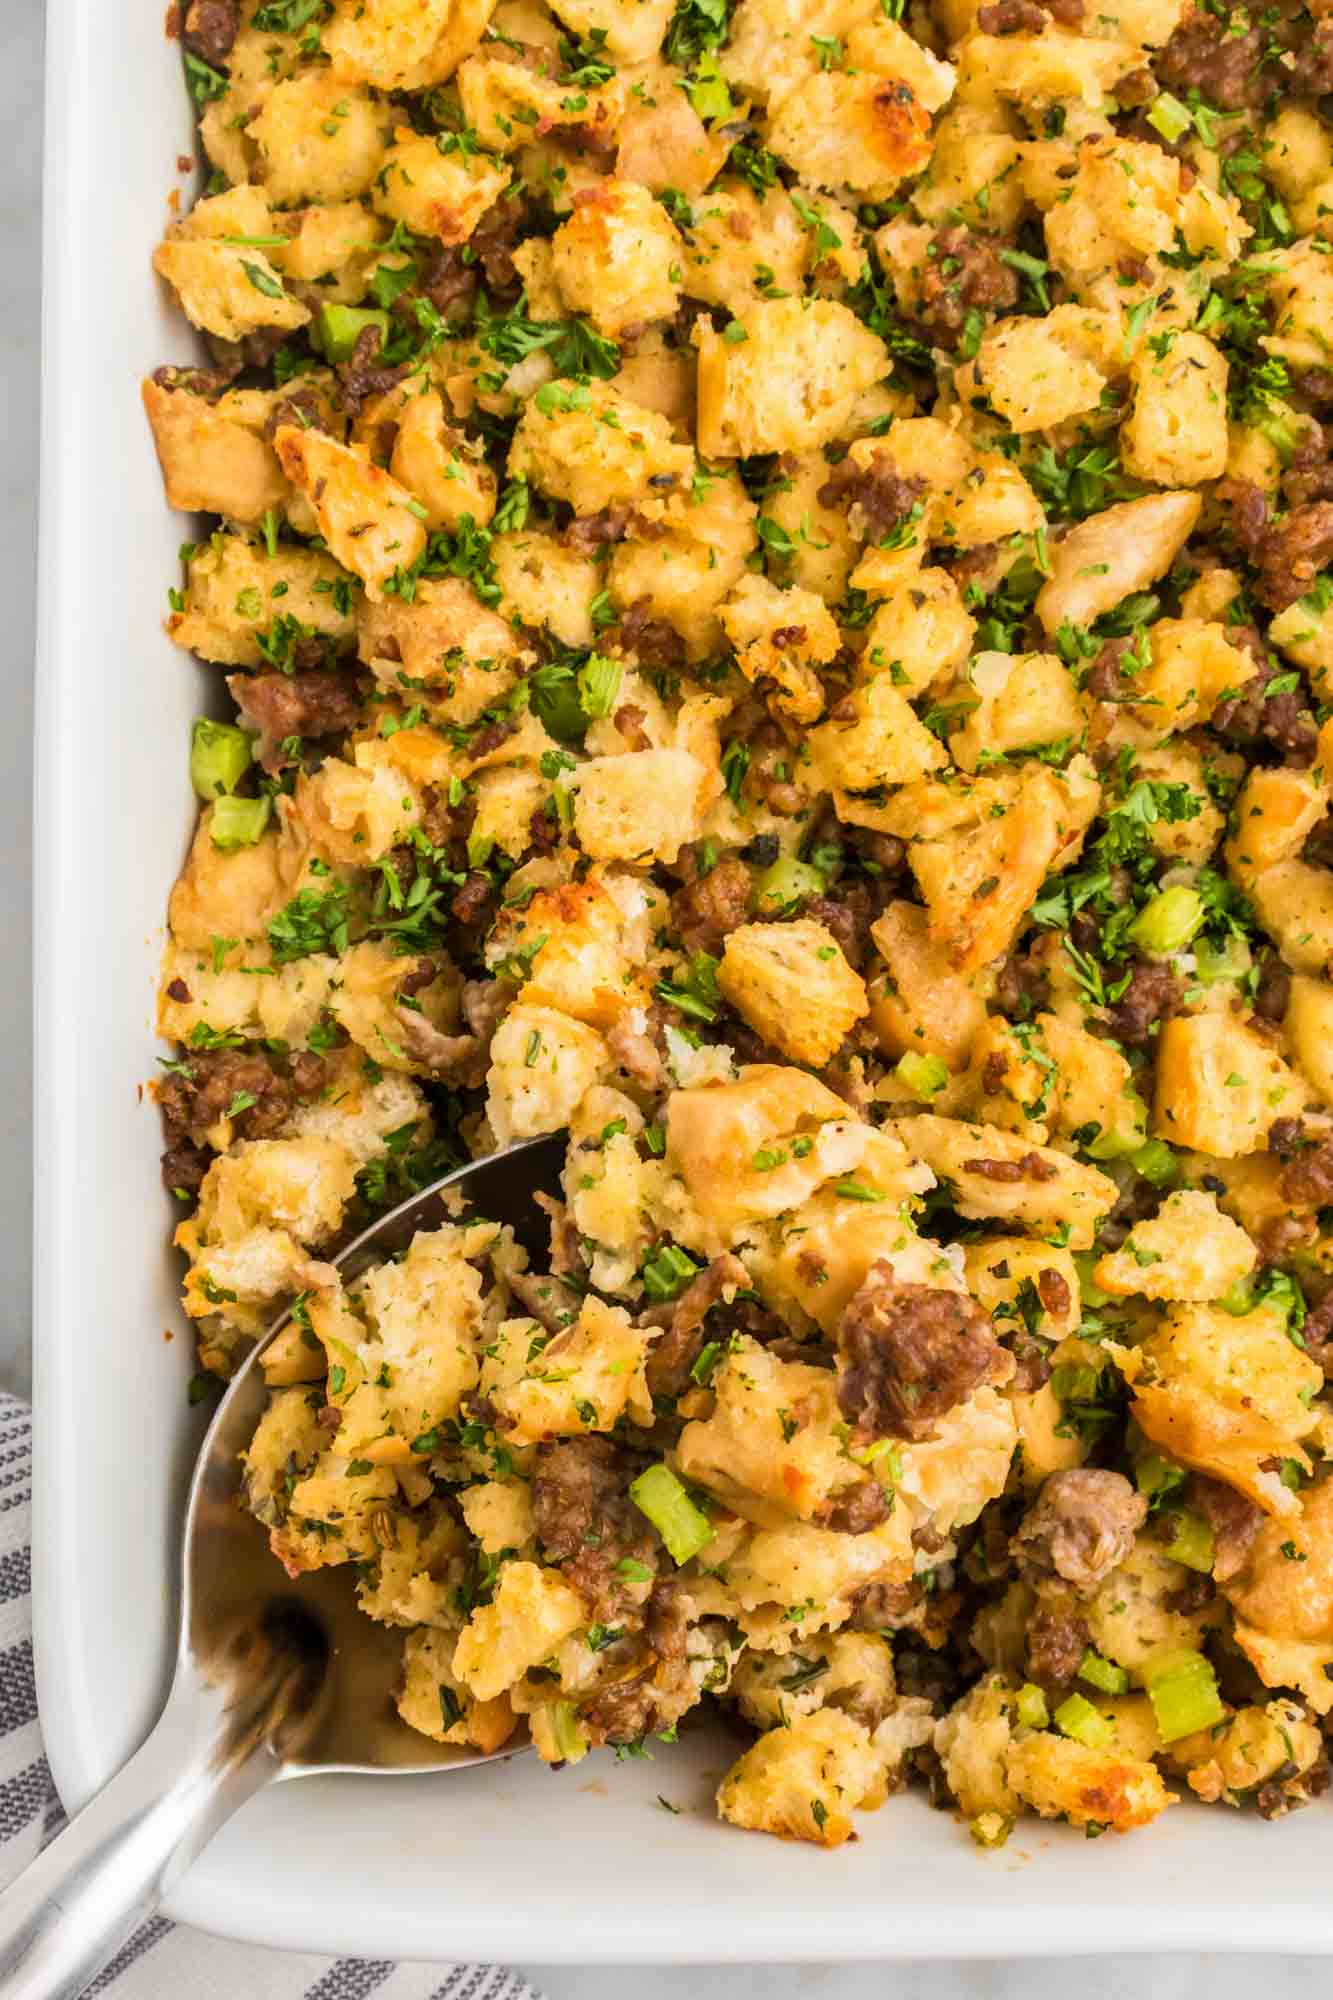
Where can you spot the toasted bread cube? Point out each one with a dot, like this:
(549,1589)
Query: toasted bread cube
(920,632)
(1061,1779)
(531,1612)
(1220,1086)
(225,291)
(789,383)
(613,260)
(585,1379)
(794,987)
(403,44)
(434,193)
(643,805)
(1193,666)
(503,98)
(319,139)
(369,521)
(1036,1187)
(211,463)
(1025,701)
(431,1694)
(1176,431)
(1228,1395)
(234,590)
(873,738)
(1284,1600)
(592,447)
(439,467)
(922,1005)
(802,1782)
(782,636)
(1122,549)
(1189,1250)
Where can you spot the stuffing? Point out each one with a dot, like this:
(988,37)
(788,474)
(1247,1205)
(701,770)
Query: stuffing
(1001,1176)
(238,599)
(784,376)
(615,257)
(802,1782)
(1228,1394)
(591,447)
(1220,1085)
(793,986)
(1283,1600)
(771,571)
(1188,1251)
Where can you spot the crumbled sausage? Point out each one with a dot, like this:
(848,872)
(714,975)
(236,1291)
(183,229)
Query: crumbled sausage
(211,27)
(712,905)
(1056,1640)
(884,497)
(1030,1167)
(1154,993)
(1082,1525)
(1234,1519)
(907,1354)
(1307,1179)
(587,1523)
(964,271)
(284,707)
(674,1354)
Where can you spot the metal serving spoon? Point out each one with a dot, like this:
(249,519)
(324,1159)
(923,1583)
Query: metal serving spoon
(273,1679)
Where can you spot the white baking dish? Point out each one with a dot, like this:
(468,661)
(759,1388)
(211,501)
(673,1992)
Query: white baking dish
(508,1862)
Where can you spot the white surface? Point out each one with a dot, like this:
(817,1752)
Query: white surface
(612,1875)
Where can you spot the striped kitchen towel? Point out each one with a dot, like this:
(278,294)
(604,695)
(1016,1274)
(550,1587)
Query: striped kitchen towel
(162,1960)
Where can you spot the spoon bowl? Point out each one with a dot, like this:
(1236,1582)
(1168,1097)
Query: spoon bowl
(274,1678)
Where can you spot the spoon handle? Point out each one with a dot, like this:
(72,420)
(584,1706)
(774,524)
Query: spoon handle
(70,1912)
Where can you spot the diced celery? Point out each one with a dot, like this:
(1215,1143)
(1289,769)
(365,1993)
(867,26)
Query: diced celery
(1123,1141)
(566,1735)
(1090,1292)
(1155,1476)
(1102,1673)
(1168,115)
(787,881)
(923,1075)
(1182,1688)
(659,1494)
(1231,960)
(239,822)
(1169,921)
(338,328)
(1078,1718)
(1192,1542)
(220,756)
(1031,1707)
(1156,1162)
(990,1829)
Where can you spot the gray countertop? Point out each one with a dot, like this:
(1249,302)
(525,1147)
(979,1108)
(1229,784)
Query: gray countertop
(951,1979)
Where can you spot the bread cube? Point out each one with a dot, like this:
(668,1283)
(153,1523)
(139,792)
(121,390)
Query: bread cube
(784,377)
(371,523)
(793,986)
